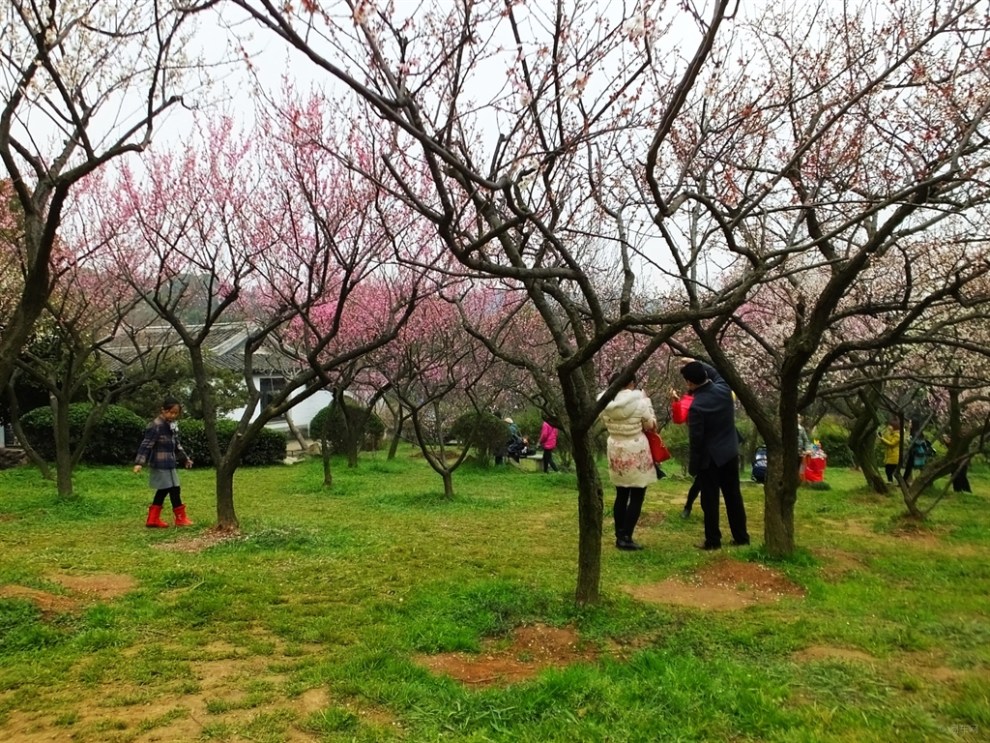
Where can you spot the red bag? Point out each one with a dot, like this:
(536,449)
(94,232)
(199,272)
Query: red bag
(658,449)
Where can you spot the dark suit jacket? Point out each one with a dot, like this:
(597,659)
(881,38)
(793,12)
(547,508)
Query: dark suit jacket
(712,425)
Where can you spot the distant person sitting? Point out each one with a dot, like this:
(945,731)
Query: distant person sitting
(514,446)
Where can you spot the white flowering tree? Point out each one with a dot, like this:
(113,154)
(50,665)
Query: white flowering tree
(851,169)
(81,82)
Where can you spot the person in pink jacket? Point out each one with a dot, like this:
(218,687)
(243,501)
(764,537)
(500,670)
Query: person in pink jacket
(548,442)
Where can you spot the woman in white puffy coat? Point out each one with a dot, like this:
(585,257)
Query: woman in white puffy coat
(630,464)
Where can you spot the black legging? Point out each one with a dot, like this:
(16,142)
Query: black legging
(626,509)
(172,493)
(891,470)
(548,463)
(693,492)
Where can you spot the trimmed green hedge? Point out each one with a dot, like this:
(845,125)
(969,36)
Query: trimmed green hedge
(486,433)
(117,435)
(373,431)
(268,448)
(113,440)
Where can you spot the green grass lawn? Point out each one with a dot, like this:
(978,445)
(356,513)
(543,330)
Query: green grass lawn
(313,624)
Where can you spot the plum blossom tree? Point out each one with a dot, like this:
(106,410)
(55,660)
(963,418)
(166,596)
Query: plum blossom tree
(627,186)
(69,354)
(81,83)
(852,169)
(536,182)
(439,373)
(283,244)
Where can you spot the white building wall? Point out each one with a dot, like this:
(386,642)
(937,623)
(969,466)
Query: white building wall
(302,413)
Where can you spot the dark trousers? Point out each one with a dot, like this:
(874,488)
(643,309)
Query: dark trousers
(960,483)
(726,479)
(548,463)
(891,470)
(172,493)
(693,492)
(626,509)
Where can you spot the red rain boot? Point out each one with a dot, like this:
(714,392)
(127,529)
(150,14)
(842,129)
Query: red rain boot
(155,518)
(180,516)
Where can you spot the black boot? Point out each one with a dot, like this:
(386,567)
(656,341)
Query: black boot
(625,542)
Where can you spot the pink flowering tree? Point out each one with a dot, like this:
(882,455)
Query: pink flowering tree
(256,231)
(83,84)
(641,170)
(70,354)
(537,184)
(439,373)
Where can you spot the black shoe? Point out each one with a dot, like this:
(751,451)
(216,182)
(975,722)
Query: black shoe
(628,545)
(686,513)
(740,542)
(707,547)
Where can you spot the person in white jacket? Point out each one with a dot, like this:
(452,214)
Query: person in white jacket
(630,464)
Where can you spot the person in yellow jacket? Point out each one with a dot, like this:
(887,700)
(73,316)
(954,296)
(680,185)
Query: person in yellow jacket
(890,437)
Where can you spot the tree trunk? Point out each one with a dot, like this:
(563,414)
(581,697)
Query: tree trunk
(862,444)
(63,475)
(393,446)
(294,431)
(15,421)
(63,450)
(327,469)
(783,463)
(579,401)
(780,495)
(226,516)
(590,514)
(448,484)
(325,448)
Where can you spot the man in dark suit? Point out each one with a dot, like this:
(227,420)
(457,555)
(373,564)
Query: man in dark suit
(714,452)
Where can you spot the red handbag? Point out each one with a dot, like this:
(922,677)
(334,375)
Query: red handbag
(658,449)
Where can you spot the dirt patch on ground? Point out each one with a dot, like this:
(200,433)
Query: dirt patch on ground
(827,652)
(722,585)
(48,603)
(83,589)
(99,585)
(852,527)
(838,563)
(520,656)
(652,518)
(200,541)
(226,688)
(927,668)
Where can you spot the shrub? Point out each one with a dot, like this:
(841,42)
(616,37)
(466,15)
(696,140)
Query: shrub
(267,448)
(834,438)
(486,433)
(332,415)
(114,438)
